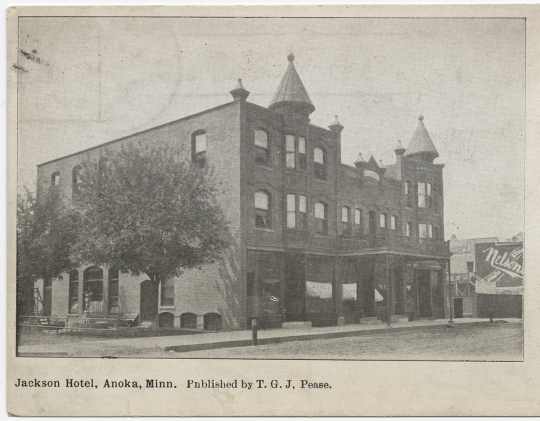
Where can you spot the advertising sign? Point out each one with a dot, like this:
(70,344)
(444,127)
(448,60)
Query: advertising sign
(498,268)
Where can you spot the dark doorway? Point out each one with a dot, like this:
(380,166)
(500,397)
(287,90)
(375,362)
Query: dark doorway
(47,296)
(149,301)
(458,308)
(367,269)
(398,291)
(424,294)
(295,288)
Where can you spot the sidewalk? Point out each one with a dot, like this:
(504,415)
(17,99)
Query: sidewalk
(184,343)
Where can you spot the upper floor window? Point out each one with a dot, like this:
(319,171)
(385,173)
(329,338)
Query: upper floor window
(321,218)
(393,222)
(76,179)
(290,151)
(408,229)
(296,211)
(436,199)
(358,222)
(470,267)
(425,230)
(262,150)
(383,220)
(198,148)
(345,221)
(302,160)
(55,179)
(408,194)
(167,292)
(424,195)
(295,151)
(319,160)
(262,209)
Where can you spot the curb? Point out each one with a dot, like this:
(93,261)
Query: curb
(314,336)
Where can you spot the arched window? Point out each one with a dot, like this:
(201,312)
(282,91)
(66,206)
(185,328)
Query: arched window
(93,286)
(262,149)
(114,277)
(198,148)
(188,320)
(212,321)
(76,179)
(73,291)
(319,160)
(167,292)
(345,221)
(358,222)
(321,218)
(262,209)
(408,229)
(166,320)
(55,179)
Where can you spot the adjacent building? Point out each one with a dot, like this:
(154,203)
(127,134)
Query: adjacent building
(317,240)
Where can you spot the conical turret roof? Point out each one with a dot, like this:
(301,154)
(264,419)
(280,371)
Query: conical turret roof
(291,89)
(420,142)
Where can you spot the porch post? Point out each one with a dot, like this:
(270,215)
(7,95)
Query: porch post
(80,295)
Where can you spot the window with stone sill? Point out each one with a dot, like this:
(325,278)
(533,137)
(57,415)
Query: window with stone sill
(319,162)
(321,218)
(167,292)
(358,222)
(262,209)
(55,179)
(262,148)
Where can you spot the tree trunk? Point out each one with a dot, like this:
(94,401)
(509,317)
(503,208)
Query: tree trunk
(155,301)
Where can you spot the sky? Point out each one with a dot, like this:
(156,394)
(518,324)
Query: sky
(98,79)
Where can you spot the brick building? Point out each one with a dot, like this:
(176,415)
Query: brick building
(317,240)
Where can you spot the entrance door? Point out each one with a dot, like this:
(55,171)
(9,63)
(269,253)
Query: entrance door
(149,301)
(424,294)
(458,308)
(295,288)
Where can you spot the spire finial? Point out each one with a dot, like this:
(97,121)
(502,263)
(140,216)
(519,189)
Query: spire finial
(420,117)
(336,126)
(290,57)
(240,93)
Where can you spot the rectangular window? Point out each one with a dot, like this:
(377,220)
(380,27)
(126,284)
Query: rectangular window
(167,292)
(199,149)
(392,222)
(302,161)
(409,194)
(382,220)
(73,291)
(200,143)
(302,212)
(319,161)
(408,229)
(422,230)
(430,231)
(262,151)
(289,148)
(421,194)
(291,211)
(358,222)
(470,267)
(345,221)
(321,218)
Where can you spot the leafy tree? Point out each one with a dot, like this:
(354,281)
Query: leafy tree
(148,210)
(46,231)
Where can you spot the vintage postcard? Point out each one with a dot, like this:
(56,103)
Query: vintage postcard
(273,210)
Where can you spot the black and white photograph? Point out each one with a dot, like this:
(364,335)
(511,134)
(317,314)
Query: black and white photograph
(250,188)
